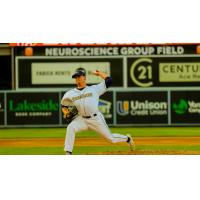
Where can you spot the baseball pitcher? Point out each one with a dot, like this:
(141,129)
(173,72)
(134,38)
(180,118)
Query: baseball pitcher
(80,108)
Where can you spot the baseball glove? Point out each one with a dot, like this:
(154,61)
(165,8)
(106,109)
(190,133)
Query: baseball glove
(69,113)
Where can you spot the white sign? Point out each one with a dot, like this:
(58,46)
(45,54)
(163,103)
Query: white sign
(61,73)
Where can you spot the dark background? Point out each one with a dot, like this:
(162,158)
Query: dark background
(2,109)
(5,73)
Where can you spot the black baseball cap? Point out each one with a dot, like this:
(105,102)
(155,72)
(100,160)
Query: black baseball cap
(79,72)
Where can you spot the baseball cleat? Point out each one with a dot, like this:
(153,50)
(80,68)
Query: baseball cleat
(131,142)
(68,153)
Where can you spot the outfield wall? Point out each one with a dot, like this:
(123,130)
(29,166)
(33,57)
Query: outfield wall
(153,84)
(120,108)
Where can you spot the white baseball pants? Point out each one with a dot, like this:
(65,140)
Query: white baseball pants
(97,124)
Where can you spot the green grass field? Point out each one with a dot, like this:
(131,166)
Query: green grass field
(60,132)
(31,133)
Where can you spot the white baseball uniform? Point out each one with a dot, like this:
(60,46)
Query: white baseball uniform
(89,116)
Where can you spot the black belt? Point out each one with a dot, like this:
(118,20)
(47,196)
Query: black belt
(87,117)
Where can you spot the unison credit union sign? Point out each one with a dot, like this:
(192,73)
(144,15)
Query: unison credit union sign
(142,108)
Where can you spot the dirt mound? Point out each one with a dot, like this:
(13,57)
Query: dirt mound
(139,141)
(149,152)
(56,142)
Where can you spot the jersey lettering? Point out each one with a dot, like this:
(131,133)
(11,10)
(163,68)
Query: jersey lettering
(81,96)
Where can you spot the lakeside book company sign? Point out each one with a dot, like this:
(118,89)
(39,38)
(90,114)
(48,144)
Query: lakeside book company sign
(33,108)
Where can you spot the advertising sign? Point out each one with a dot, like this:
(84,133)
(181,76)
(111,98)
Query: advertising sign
(61,73)
(105,107)
(185,107)
(142,108)
(161,71)
(179,72)
(32,73)
(62,49)
(2,109)
(32,108)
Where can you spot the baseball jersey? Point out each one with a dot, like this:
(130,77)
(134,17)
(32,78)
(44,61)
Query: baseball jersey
(85,100)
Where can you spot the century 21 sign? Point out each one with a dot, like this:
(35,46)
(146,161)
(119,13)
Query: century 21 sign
(170,71)
(144,68)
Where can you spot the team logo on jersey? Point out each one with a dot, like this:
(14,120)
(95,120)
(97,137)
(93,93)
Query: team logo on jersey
(105,108)
(123,108)
(81,96)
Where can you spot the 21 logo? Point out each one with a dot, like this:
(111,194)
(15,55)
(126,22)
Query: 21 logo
(143,68)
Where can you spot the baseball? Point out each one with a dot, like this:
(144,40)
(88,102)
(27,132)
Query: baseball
(95,72)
